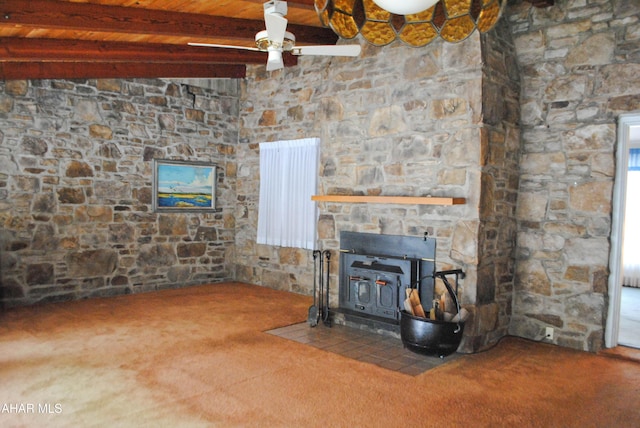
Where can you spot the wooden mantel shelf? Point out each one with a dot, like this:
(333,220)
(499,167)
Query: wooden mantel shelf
(414,200)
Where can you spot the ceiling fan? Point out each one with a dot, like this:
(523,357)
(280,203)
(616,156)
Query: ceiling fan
(276,39)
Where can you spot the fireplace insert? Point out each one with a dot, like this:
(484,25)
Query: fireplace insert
(375,271)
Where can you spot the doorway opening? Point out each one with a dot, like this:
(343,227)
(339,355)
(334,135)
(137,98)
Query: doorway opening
(629,334)
(624,298)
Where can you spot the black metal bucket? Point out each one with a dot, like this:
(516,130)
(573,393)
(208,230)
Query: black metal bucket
(433,337)
(430,337)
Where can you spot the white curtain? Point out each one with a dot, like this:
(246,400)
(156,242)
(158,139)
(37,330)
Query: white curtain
(631,247)
(287,216)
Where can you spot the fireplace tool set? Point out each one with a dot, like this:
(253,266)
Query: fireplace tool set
(320,308)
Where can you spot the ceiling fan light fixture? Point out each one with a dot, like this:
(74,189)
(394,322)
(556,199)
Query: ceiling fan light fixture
(263,42)
(274,60)
(406,7)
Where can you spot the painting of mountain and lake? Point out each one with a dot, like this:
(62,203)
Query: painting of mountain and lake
(184,186)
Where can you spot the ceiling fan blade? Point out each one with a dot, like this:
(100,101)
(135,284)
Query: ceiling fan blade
(276,27)
(274,61)
(332,50)
(213,45)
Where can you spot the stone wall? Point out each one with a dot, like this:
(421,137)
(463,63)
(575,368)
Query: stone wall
(75,169)
(580,65)
(499,161)
(76,187)
(398,121)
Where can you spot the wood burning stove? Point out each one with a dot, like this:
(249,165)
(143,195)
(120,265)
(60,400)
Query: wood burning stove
(375,271)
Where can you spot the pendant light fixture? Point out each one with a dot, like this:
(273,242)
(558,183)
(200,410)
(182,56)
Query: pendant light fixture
(451,20)
(406,7)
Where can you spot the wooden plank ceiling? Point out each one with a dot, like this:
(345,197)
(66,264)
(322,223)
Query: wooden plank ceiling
(44,39)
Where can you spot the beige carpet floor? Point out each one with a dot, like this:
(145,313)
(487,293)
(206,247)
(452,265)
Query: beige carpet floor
(200,357)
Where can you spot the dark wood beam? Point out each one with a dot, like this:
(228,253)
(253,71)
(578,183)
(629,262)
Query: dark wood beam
(301,4)
(298,4)
(123,70)
(63,15)
(57,58)
(22,50)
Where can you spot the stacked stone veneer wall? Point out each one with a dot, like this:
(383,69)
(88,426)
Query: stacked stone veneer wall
(580,65)
(499,161)
(398,121)
(76,187)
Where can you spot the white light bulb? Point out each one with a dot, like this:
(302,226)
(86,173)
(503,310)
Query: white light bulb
(406,7)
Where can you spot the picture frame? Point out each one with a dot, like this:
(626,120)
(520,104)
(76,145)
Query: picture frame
(184,186)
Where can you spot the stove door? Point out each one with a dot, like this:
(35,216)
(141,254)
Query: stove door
(387,293)
(363,292)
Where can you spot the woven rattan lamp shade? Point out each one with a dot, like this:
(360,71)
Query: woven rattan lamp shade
(452,20)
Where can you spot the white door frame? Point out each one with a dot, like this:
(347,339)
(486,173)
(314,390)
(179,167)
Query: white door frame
(617,227)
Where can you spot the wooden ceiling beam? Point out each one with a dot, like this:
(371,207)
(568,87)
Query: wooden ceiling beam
(121,70)
(22,50)
(57,58)
(64,15)
(299,4)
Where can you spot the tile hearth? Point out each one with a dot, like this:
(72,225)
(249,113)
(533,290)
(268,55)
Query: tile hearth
(362,345)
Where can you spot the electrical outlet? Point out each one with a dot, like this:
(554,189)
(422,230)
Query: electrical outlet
(548,333)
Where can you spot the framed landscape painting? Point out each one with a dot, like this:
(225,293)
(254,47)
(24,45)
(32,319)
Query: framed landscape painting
(180,186)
